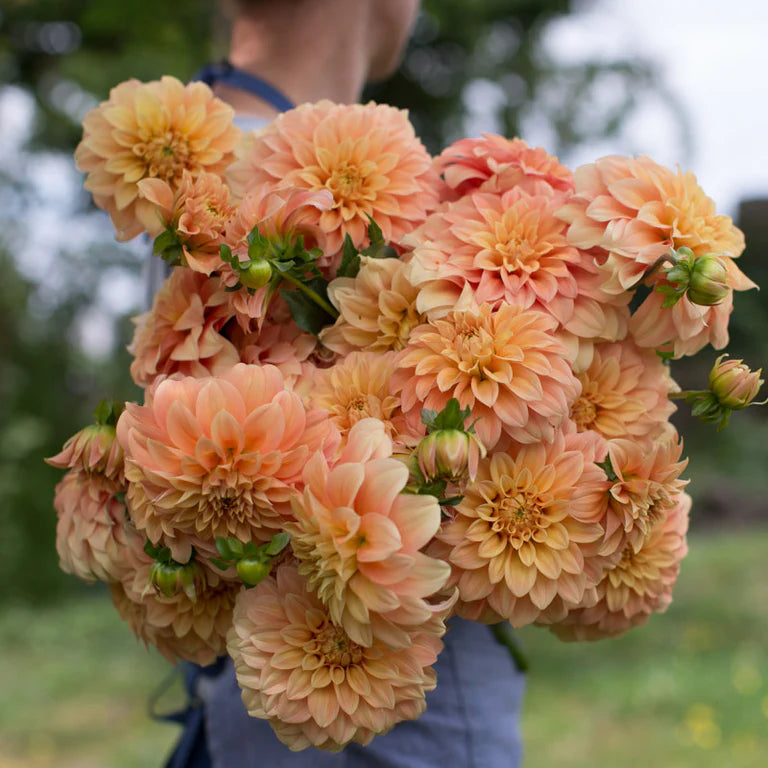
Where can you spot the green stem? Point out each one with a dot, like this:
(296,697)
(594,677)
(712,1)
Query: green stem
(307,291)
(504,635)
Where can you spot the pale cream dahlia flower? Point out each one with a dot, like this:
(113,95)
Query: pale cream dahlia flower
(218,456)
(311,680)
(377,309)
(151,130)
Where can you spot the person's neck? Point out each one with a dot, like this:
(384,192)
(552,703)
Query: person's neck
(308,60)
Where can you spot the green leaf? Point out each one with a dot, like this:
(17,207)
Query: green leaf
(308,316)
(350,259)
(607,467)
(451,502)
(220,564)
(226,255)
(451,417)
(378,248)
(278,543)
(235,546)
(222,547)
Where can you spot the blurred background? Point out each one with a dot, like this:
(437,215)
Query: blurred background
(683,82)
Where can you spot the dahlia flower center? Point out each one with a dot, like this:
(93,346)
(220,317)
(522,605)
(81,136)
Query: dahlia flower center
(519,517)
(334,645)
(228,505)
(584,413)
(165,155)
(347,183)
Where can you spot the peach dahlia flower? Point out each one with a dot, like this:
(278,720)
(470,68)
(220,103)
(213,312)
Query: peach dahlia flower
(518,540)
(181,333)
(181,629)
(358,538)
(366,154)
(377,309)
(313,682)
(217,456)
(151,130)
(358,387)
(505,365)
(198,211)
(646,484)
(94,448)
(623,392)
(636,211)
(497,163)
(92,530)
(639,584)
(509,248)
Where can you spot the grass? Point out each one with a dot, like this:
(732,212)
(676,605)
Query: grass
(688,690)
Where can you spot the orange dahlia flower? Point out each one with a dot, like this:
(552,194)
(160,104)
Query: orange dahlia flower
(218,456)
(181,333)
(624,392)
(366,155)
(377,309)
(518,540)
(509,248)
(639,584)
(93,531)
(494,162)
(151,130)
(505,365)
(315,684)
(358,538)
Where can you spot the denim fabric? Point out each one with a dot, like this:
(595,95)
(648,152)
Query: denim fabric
(472,718)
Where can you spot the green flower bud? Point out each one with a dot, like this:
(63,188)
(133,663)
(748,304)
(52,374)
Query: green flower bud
(170,578)
(257,274)
(252,570)
(708,281)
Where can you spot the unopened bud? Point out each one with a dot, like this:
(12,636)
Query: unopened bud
(449,454)
(708,281)
(733,384)
(170,578)
(257,274)
(252,570)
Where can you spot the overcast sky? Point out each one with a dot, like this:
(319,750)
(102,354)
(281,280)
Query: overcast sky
(714,55)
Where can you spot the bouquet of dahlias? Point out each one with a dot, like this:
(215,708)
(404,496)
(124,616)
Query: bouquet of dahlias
(382,389)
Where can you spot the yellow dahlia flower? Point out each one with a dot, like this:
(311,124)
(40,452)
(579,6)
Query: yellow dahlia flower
(218,456)
(505,365)
(367,155)
(358,540)
(315,684)
(151,130)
